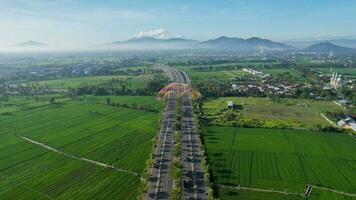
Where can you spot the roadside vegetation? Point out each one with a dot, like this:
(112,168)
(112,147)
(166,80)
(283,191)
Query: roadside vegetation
(177,167)
(204,161)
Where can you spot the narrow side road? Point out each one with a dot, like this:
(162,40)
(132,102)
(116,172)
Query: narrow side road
(259,190)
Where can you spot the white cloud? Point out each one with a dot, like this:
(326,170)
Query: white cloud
(158,33)
(56,22)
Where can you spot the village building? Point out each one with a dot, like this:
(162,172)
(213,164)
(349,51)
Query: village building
(230,105)
(348,123)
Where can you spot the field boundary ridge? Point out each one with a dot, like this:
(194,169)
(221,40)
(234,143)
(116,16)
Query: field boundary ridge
(335,191)
(100,164)
(259,190)
(328,120)
(285,192)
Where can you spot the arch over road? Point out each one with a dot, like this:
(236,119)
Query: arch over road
(161,182)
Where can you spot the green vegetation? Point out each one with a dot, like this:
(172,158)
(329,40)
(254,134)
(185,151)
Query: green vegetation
(272,112)
(132,101)
(239,194)
(140,81)
(280,71)
(348,72)
(275,71)
(177,170)
(277,159)
(79,104)
(177,167)
(131,82)
(233,70)
(223,75)
(219,72)
(232,194)
(85,127)
(145,177)
(204,160)
(284,160)
(80,81)
(11,104)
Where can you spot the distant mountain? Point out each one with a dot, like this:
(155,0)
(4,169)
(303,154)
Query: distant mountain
(350,43)
(253,44)
(180,42)
(250,44)
(31,43)
(223,41)
(327,47)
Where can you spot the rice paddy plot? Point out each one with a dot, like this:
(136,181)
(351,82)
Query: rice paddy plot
(277,71)
(17,103)
(79,81)
(129,100)
(215,74)
(139,81)
(83,128)
(203,75)
(232,194)
(284,160)
(240,194)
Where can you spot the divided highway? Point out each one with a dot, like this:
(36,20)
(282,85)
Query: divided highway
(174,75)
(193,176)
(161,182)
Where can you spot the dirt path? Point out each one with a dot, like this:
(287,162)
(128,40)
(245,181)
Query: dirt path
(328,120)
(339,104)
(260,190)
(81,158)
(284,192)
(335,191)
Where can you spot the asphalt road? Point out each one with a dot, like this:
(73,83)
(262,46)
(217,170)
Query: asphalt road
(160,182)
(193,176)
(174,75)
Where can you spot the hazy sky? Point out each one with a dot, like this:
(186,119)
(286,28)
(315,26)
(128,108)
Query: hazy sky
(101,21)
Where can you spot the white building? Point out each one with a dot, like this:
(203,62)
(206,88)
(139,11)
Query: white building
(348,123)
(254,72)
(230,105)
(336,80)
(353,126)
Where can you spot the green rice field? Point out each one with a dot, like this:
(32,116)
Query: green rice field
(139,100)
(17,103)
(214,74)
(225,74)
(239,194)
(283,160)
(139,81)
(80,81)
(85,128)
(275,71)
(231,194)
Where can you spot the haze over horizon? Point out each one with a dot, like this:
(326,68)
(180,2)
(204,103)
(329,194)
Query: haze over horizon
(79,22)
